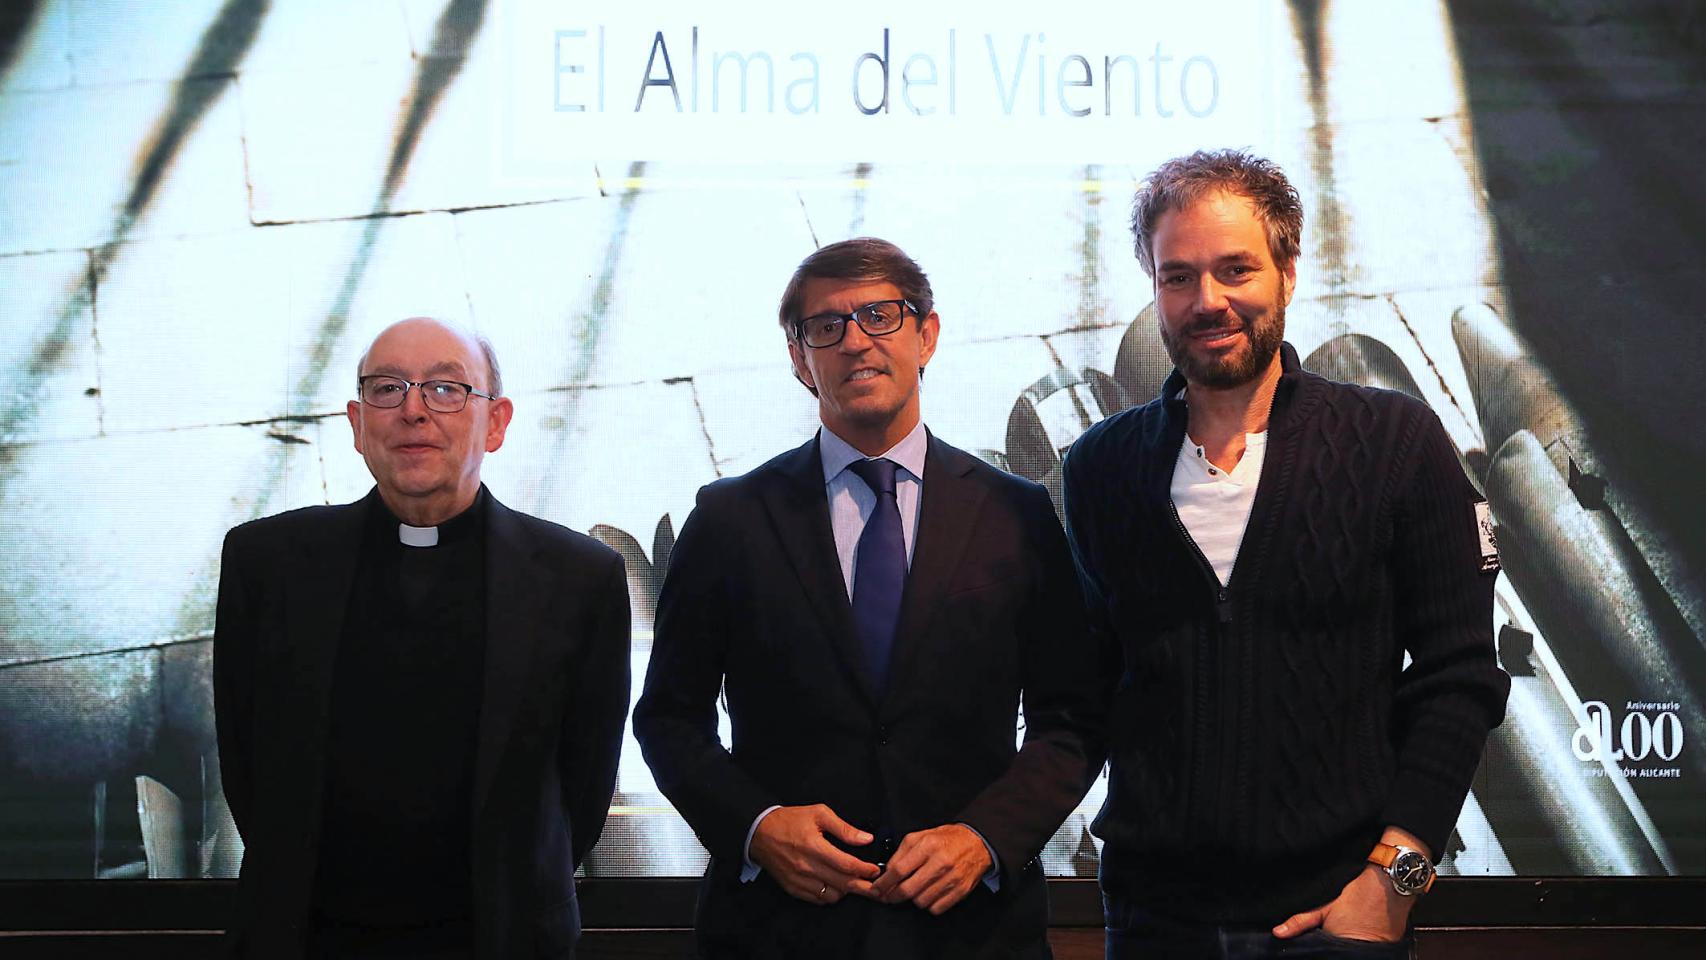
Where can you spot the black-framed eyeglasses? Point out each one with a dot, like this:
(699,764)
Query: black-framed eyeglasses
(440,396)
(877,319)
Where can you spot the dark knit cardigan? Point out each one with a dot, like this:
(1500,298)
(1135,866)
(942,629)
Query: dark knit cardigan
(1264,734)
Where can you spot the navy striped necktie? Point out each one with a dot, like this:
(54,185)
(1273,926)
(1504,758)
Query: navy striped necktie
(879,571)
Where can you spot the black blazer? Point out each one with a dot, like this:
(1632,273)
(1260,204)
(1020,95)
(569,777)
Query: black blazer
(555,697)
(754,606)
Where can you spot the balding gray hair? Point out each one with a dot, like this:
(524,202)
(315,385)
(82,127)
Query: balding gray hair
(494,375)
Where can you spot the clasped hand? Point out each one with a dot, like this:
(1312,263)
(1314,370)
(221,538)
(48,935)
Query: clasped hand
(933,869)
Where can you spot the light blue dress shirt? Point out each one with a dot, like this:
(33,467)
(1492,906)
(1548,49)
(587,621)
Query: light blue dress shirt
(850,506)
(851,501)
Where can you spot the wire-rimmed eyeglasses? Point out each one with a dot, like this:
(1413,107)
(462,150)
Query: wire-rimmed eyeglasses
(877,319)
(440,396)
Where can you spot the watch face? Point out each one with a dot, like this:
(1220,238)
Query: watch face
(1410,871)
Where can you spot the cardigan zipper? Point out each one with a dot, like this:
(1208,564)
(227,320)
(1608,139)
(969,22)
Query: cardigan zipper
(1222,602)
(1202,676)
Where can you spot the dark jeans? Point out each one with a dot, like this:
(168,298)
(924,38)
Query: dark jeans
(1134,934)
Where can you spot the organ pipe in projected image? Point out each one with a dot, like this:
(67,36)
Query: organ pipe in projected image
(1048,416)
(1141,364)
(1560,814)
(1552,819)
(1616,632)
(1355,358)
(1605,617)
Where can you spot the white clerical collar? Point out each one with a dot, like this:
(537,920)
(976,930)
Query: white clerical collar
(417,536)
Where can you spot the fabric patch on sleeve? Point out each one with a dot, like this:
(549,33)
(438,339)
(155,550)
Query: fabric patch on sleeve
(1489,537)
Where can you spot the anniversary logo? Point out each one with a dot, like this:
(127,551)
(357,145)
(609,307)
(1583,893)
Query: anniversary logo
(1646,743)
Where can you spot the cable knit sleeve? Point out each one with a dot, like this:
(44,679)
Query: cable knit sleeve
(1453,691)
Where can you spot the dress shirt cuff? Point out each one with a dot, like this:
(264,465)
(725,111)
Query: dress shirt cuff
(748,870)
(992,879)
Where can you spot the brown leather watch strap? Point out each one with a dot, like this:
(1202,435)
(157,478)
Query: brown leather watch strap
(1383,855)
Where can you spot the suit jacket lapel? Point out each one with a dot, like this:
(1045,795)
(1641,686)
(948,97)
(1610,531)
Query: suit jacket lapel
(517,593)
(947,515)
(799,512)
(317,594)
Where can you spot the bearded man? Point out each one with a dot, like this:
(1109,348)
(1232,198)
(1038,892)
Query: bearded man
(1260,548)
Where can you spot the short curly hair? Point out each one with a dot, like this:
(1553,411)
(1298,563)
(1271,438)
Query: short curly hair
(1182,181)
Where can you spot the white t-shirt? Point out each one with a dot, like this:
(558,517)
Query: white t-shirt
(1215,505)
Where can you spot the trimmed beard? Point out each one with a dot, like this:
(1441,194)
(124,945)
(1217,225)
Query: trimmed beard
(1265,336)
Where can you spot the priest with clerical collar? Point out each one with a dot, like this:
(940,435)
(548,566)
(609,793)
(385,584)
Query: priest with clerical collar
(420,695)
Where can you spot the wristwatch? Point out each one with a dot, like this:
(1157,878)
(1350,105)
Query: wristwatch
(1407,868)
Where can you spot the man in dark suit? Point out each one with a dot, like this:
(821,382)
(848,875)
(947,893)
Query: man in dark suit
(873,605)
(420,695)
